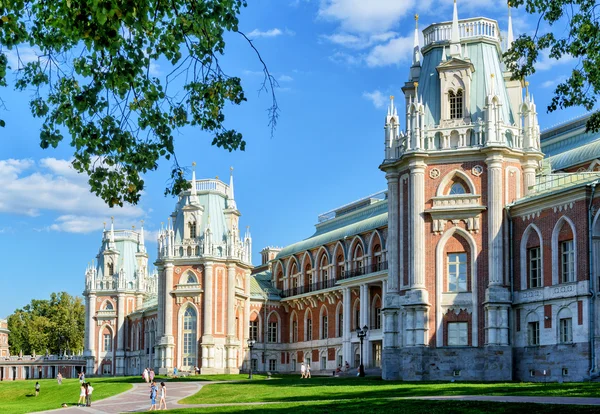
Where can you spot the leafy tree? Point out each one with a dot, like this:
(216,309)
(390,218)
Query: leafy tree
(581,40)
(55,325)
(94,81)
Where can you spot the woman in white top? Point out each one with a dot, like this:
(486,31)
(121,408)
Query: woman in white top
(163,396)
(81,401)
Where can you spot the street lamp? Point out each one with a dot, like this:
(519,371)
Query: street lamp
(361,333)
(251,343)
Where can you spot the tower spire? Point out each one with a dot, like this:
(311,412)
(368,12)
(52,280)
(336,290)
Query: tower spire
(231,196)
(509,37)
(194,178)
(455,48)
(416,53)
(142,246)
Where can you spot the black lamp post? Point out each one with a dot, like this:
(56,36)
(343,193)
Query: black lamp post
(251,343)
(361,333)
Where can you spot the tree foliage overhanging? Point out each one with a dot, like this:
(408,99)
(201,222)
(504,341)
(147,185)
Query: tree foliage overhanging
(94,81)
(581,41)
(54,326)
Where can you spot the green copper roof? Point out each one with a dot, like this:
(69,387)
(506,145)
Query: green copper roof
(360,221)
(485,59)
(260,286)
(577,150)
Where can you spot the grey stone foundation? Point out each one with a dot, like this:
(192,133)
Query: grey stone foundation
(445,364)
(561,363)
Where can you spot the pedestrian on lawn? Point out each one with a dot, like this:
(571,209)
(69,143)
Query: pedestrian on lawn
(81,395)
(163,396)
(307,370)
(37,388)
(145,375)
(59,378)
(88,396)
(302,371)
(153,391)
(151,375)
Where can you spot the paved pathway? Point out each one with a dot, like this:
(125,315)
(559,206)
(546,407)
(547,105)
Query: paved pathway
(137,399)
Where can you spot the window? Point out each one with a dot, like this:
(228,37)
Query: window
(323,363)
(457,272)
(190,279)
(294,365)
(254,364)
(109,306)
(111,269)
(309,329)
(189,338)
(295,331)
(377,319)
(324,327)
(310,280)
(193,230)
(106,369)
(566,330)
(272,332)
(341,324)
(357,317)
(456,104)
(458,334)
(533,333)
(535,270)
(340,267)
(457,188)
(567,252)
(254,330)
(107,343)
(324,268)
(272,364)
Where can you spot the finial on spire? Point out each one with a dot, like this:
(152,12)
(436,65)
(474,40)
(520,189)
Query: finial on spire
(455,49)
(112,229)
(194,178)
(416,85)
(510,37)
(416,51)
(231,196)
(142,232)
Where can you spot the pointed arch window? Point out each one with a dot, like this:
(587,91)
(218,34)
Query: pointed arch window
(111,269)
(456,104)
(457,272)
(189,338)
(192,229)
(457,188)
(109,306)
(190,279)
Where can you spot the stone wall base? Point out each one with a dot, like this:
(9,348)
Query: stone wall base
(490,363)
(552,363)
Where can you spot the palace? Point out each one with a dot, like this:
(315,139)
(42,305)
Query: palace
(479,262)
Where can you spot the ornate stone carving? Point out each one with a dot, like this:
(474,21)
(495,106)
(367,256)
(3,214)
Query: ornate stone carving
(434,173)
(477,170)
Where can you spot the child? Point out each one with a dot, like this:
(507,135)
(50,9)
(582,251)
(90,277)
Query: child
(163,396)
(81,396)
(37,389)
(59,378)
(88,397)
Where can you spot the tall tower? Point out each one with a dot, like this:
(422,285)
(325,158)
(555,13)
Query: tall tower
(470,146)
(114,287)
(204,282)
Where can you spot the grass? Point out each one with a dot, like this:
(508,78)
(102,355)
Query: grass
(356,406)
(294,389)
(19,396)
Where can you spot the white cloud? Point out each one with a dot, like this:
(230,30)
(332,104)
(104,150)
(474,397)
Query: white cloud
(52,186)
(21,55)
(270,33)
(545,62)
(553,82)
(378,98)
(358,42)
(285,78)
(373,16)
(393,52)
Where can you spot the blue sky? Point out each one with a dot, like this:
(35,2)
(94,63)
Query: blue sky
(337,61)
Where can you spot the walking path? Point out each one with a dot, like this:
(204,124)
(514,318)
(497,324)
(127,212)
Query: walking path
(137,399)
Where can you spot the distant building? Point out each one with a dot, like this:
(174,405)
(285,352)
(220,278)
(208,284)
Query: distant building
(481,261)
(4,349)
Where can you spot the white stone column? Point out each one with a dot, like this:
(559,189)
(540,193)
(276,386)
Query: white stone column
(230,350)
(160,326)
(529,175)
(168,305)
(417,223)
(208,301)
(120,354)
(347,325)
(495,211)
(91,335)
(392,239)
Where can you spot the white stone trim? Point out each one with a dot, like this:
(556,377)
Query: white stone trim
(439,277)
(180,314)
(518,193)
(449,177)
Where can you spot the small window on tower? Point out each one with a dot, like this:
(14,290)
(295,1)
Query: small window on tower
(192,230)
(111,269)
(456,104)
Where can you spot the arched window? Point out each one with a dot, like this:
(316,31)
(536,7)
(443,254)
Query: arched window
(456,104)
(109,306)
(324,324)
(308,326)
(377,260)
(189,338)
(111,269)
(323,266)
(340,267)
(309,277)
(457,272)
(457,188)
(192,229)
(358,259)
(191,279)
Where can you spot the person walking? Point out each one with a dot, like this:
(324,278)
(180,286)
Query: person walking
(163,396)
(151,373)
(145,375)
(302,370)
(81,395)
(59,378)
(307,371)
(88,395)
(153,391)
(37,388)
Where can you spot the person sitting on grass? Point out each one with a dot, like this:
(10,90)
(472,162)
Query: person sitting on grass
(37,388)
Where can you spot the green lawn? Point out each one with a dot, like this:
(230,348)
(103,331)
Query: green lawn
(399,406)
(292,389)
(19,396)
